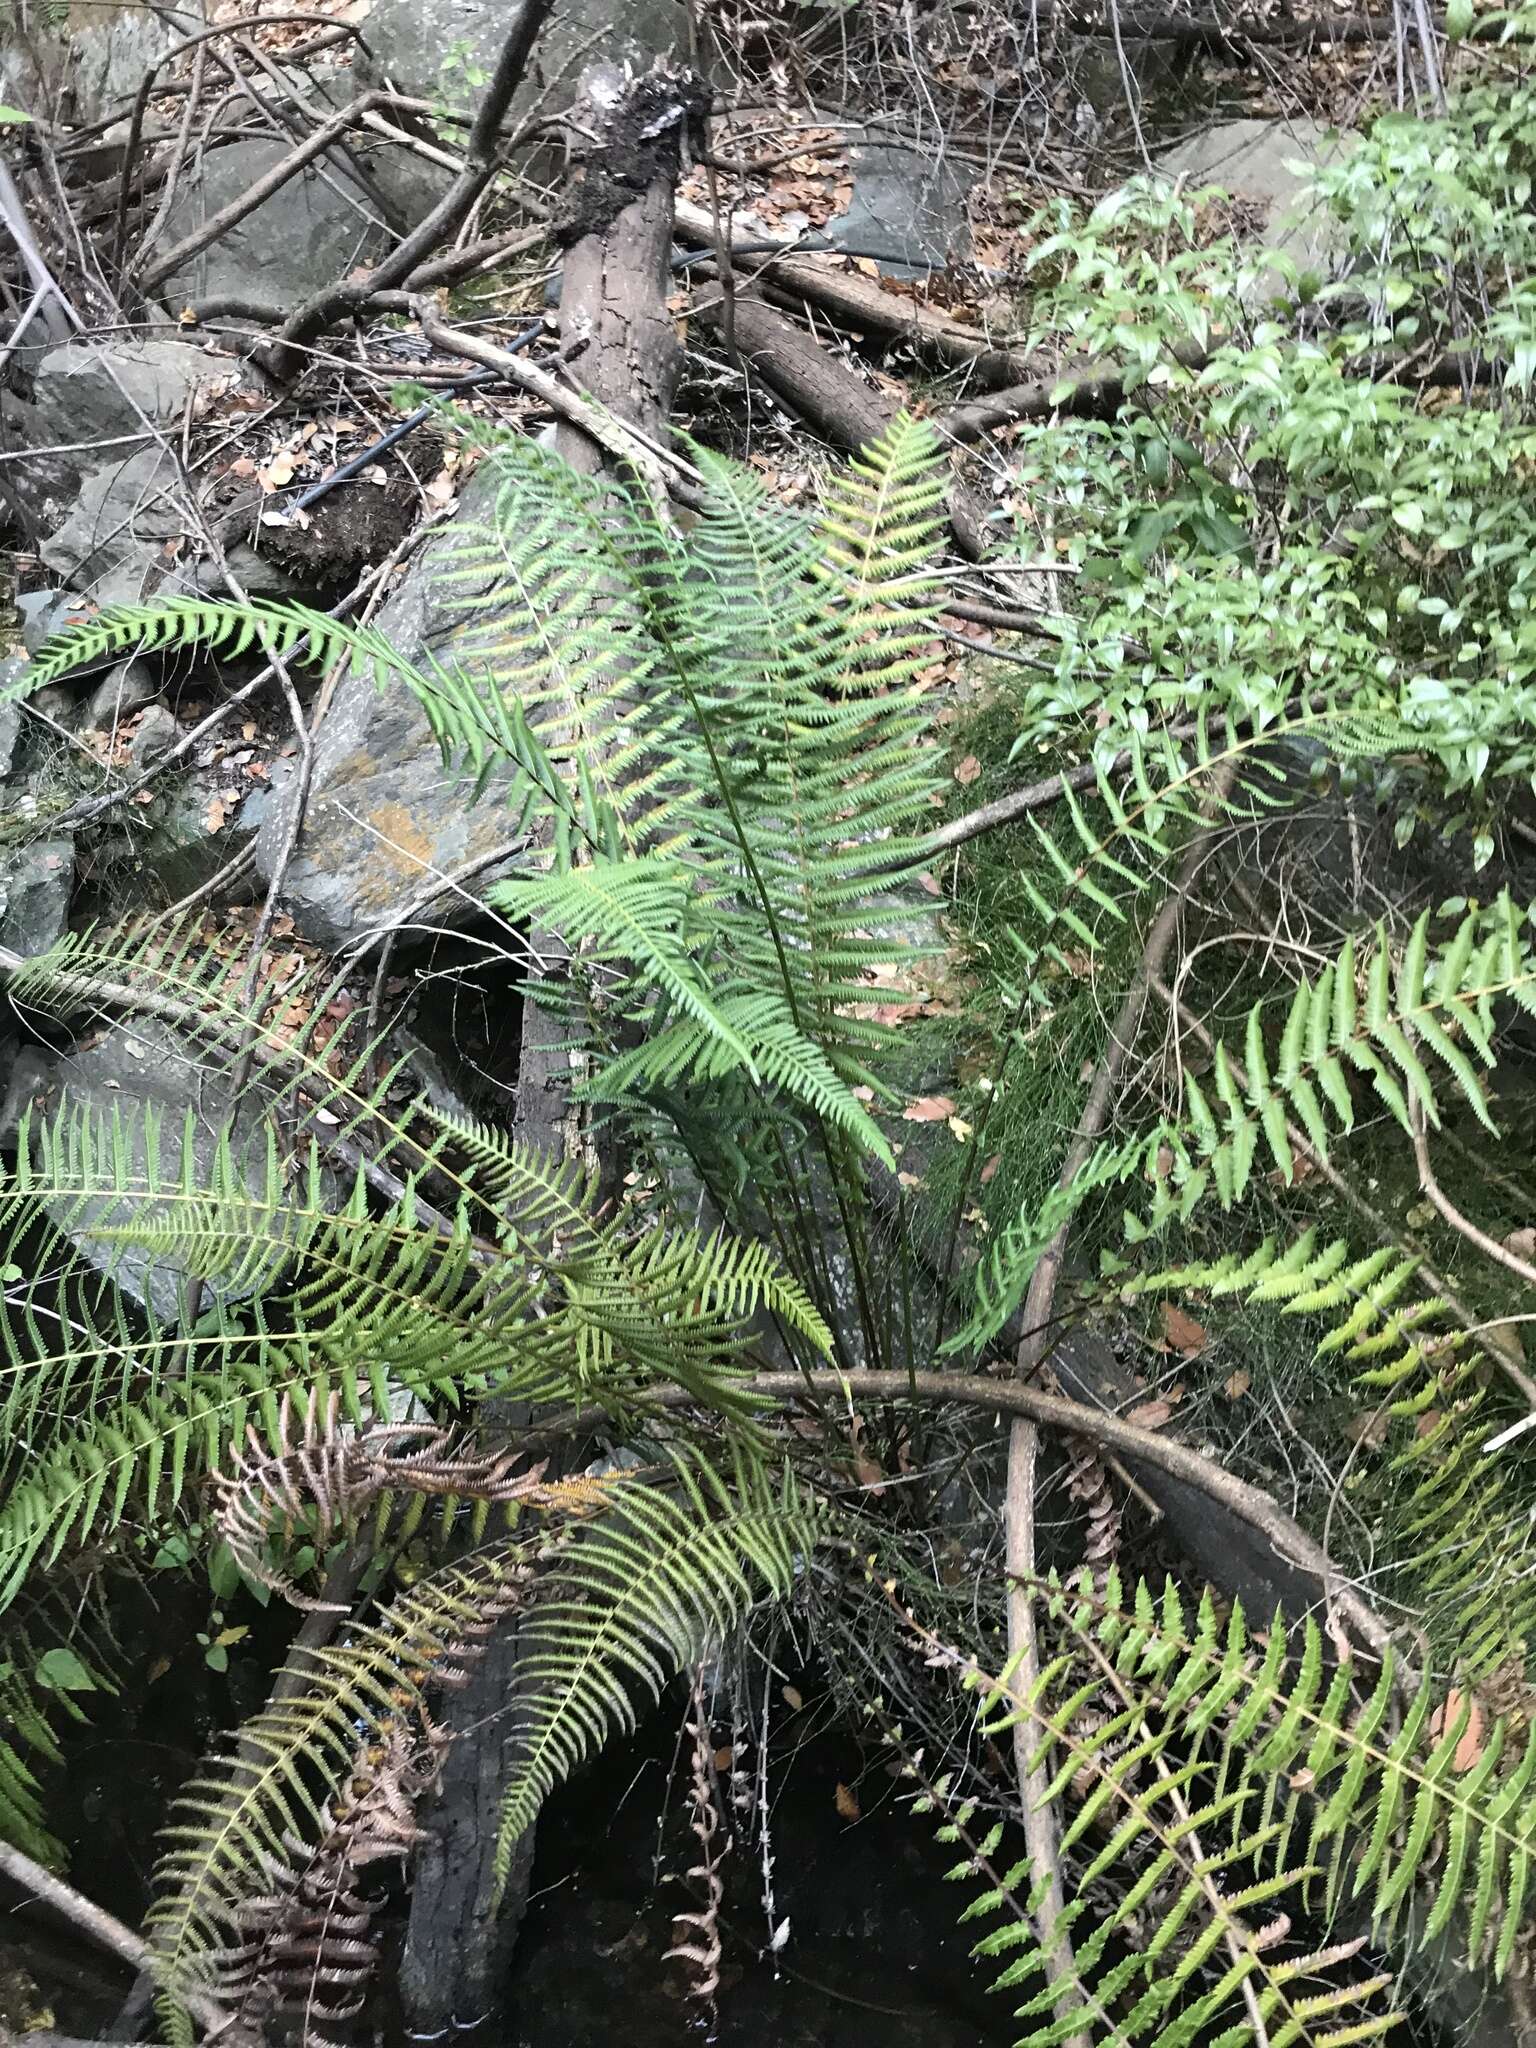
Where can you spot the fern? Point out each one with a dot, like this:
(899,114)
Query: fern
(269,1793)
(1231,1785)
(637,1596)
(1404,1023)
(1412,1024)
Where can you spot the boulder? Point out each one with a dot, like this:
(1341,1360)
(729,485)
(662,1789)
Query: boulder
(316,228)
(102,499)
(145,1085)
(125,688)
(10,715)
(30,1074)
(111,48)
(36,882)
(200,816)
(384,816)
(908,211)
(444,50)
(1266,161)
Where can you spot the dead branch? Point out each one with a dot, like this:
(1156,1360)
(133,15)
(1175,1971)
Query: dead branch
(1284,1536)
(97,1925)
(482,156)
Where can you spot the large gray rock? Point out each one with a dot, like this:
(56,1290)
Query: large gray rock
(36,882)
(110,49)
(384,816)
(1266,161)
(446,49)
(101,495)
(908,211)
(144,1085)
(313,230)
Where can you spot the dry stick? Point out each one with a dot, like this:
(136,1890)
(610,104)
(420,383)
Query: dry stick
(1041,1841)
(614,436)
(1462,1225)
(99,1926)
(482,154)
(1385,1229)
(1018,1502)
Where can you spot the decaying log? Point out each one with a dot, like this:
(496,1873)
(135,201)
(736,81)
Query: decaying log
(856,300)
(616,282)
(829,394)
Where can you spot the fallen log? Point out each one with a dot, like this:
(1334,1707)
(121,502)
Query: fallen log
(828,394)
(856,300)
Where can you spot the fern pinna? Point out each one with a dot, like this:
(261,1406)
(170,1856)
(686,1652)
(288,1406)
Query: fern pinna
(1243,1815)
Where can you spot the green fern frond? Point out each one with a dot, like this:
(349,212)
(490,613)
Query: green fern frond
(27,1739)
(1234,1783)
(635,1598)
(1411,1024)
(1457,1543)
(636,911)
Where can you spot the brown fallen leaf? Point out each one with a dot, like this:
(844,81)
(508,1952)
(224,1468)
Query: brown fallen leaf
(985,1176)
(846,1800)
(1522,1243)
(967,771)
(928,1109)
(1181,1332)
(1368,1428)
(216,814)
(792,1697)
(723,1759)
(1469,1748)
(1150,1414)
(1237,1384)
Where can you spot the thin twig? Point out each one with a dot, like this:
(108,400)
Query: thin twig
(1462,1225)
(98,1926)
(1039,1304)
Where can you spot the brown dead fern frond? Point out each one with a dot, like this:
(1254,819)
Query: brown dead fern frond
(696,1935)
(1088,1483)
(306,1950)
(324,1475)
